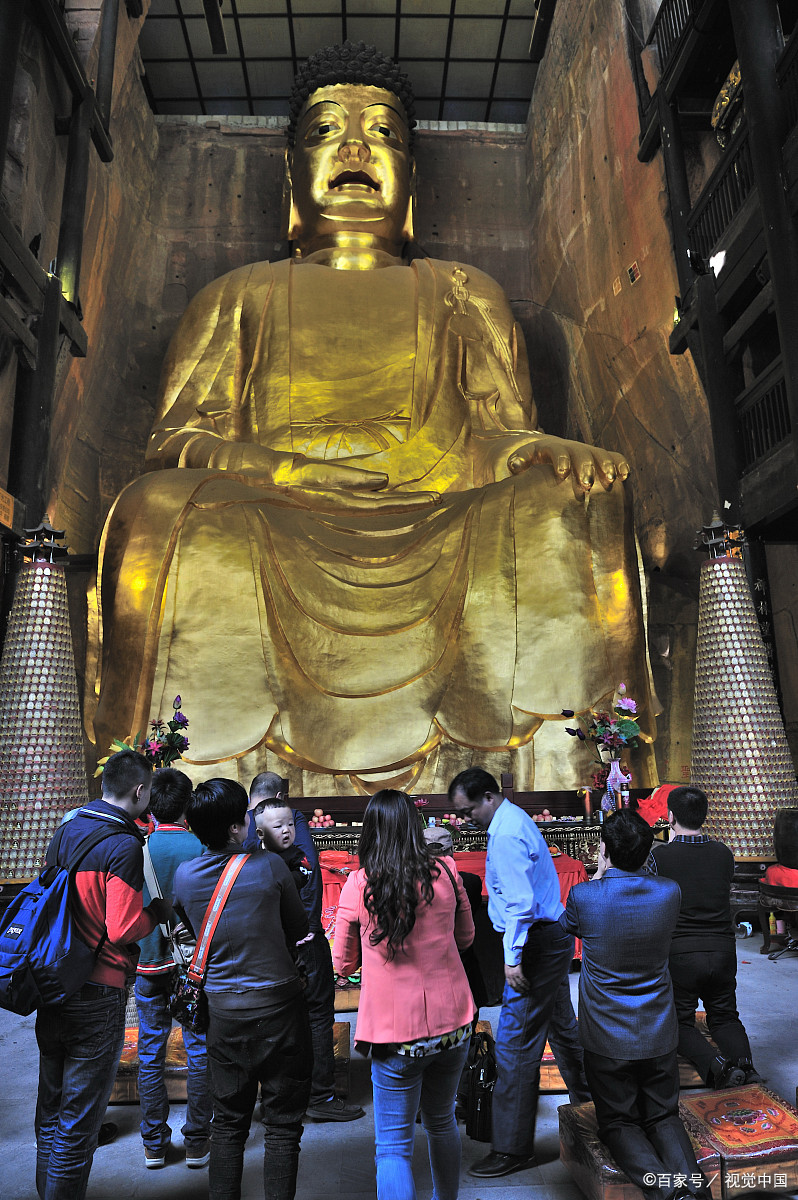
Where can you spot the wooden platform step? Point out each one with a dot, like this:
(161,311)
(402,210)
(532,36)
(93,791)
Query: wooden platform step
(125,1089)
(552,1081)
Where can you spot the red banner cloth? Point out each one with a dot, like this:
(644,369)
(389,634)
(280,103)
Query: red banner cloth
(337,864)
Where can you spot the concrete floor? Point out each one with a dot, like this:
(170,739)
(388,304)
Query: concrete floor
(337,1160)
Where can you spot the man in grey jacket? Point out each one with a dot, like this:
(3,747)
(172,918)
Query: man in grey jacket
(627,1019)
(258,1032)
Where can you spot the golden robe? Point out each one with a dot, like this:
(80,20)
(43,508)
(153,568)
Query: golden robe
(352,648)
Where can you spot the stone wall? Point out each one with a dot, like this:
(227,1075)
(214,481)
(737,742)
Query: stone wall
(595,212)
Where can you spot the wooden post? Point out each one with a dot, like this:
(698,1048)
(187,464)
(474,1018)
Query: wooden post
(757,34)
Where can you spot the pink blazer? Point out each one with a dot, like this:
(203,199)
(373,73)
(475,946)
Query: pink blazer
(423,991)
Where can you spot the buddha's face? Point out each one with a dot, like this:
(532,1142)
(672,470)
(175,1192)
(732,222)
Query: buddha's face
(351,166)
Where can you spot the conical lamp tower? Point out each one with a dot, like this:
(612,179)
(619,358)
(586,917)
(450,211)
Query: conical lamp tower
(740,755)
(42,770)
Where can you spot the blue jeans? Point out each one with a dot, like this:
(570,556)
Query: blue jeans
(399,1084)
(521,1037)
(80,1042)
(155,1025)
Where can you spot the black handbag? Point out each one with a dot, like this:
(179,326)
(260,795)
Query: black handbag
(480,1081)
(188,1003)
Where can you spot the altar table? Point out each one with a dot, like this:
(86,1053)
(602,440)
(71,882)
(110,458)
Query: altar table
(337,864)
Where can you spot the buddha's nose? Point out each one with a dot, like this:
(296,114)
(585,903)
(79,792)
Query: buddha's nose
(354,152)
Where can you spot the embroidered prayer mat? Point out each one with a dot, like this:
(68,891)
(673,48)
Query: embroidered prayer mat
(753,1131)
(595,1172)
(743,1138)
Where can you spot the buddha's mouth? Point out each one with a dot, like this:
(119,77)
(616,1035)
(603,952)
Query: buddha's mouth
(356,177)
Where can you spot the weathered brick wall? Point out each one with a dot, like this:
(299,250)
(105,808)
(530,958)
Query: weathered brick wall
(596,210)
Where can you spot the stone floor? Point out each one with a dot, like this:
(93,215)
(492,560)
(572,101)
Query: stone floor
(337,1160)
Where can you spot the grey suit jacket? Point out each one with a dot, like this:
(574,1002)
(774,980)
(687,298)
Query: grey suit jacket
(625,921)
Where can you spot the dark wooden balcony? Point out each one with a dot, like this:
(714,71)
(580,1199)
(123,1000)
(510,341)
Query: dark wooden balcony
(763,415)
(722,197)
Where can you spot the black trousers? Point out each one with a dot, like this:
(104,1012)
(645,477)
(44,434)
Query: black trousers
(319,998)
(637,1109)
(709,976)
(244,1050)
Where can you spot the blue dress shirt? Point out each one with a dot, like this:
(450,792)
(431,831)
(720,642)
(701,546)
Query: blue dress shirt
(520,878)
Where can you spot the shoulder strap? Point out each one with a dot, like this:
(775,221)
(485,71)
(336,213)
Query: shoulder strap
(441,863)
(79,853)
(199,962)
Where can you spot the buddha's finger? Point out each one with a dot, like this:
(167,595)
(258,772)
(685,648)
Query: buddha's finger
(338,475)
(538,452)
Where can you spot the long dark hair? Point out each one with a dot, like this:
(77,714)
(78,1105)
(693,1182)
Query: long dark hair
(399,869)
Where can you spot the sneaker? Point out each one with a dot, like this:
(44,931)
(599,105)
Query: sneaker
(334,1109)
(199,1155)
(154,1158)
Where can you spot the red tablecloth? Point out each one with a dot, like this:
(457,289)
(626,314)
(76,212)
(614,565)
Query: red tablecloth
(337,864)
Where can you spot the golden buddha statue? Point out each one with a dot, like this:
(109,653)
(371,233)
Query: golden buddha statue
(354,555)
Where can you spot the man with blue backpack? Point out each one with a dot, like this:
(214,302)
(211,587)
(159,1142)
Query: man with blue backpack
(80,1039)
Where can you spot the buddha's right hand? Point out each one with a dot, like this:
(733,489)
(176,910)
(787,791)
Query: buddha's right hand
(277,468)
(330,484)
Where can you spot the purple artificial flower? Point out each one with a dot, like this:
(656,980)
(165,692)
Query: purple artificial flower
(179,720)
(177,703)
(573,732)
(580,735)
(567,712)
(626,704)
(183,744)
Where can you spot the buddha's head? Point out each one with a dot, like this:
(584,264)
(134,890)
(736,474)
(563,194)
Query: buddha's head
(349,163)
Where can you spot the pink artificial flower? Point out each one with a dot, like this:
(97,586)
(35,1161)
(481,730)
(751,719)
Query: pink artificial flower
(626,704)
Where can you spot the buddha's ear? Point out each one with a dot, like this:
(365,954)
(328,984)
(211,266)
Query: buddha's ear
(407,229)
(290,217)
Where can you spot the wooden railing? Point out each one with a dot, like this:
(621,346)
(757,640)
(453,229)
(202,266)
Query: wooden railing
(763,415)
(723,195)
(671,21)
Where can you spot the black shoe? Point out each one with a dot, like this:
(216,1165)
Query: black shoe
(334,1109)
(727,1075)
(108,1132)
(501,1164)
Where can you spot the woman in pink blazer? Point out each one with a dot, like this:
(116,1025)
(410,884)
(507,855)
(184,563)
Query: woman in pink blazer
(404,916)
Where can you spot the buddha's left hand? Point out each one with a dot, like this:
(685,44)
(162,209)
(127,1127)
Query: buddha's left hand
(586,464)
(511,453)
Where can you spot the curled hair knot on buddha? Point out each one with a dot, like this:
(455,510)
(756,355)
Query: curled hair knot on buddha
(351,62)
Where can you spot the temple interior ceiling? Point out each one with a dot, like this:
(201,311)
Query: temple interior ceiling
(468,59)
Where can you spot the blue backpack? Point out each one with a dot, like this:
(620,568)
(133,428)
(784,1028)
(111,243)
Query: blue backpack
(43,959)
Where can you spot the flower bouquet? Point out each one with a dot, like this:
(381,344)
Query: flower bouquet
(611,731)
(164,745)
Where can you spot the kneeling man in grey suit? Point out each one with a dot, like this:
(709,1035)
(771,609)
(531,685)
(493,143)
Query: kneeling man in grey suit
(627,1019)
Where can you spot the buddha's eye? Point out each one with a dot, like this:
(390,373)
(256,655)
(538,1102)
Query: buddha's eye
(384,131)
(323,129)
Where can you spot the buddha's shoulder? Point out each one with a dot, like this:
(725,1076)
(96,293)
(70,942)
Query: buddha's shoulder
(253,278)
(467,276)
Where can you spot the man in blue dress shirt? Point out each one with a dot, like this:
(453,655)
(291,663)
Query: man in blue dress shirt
(524,906)
(627,1018)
